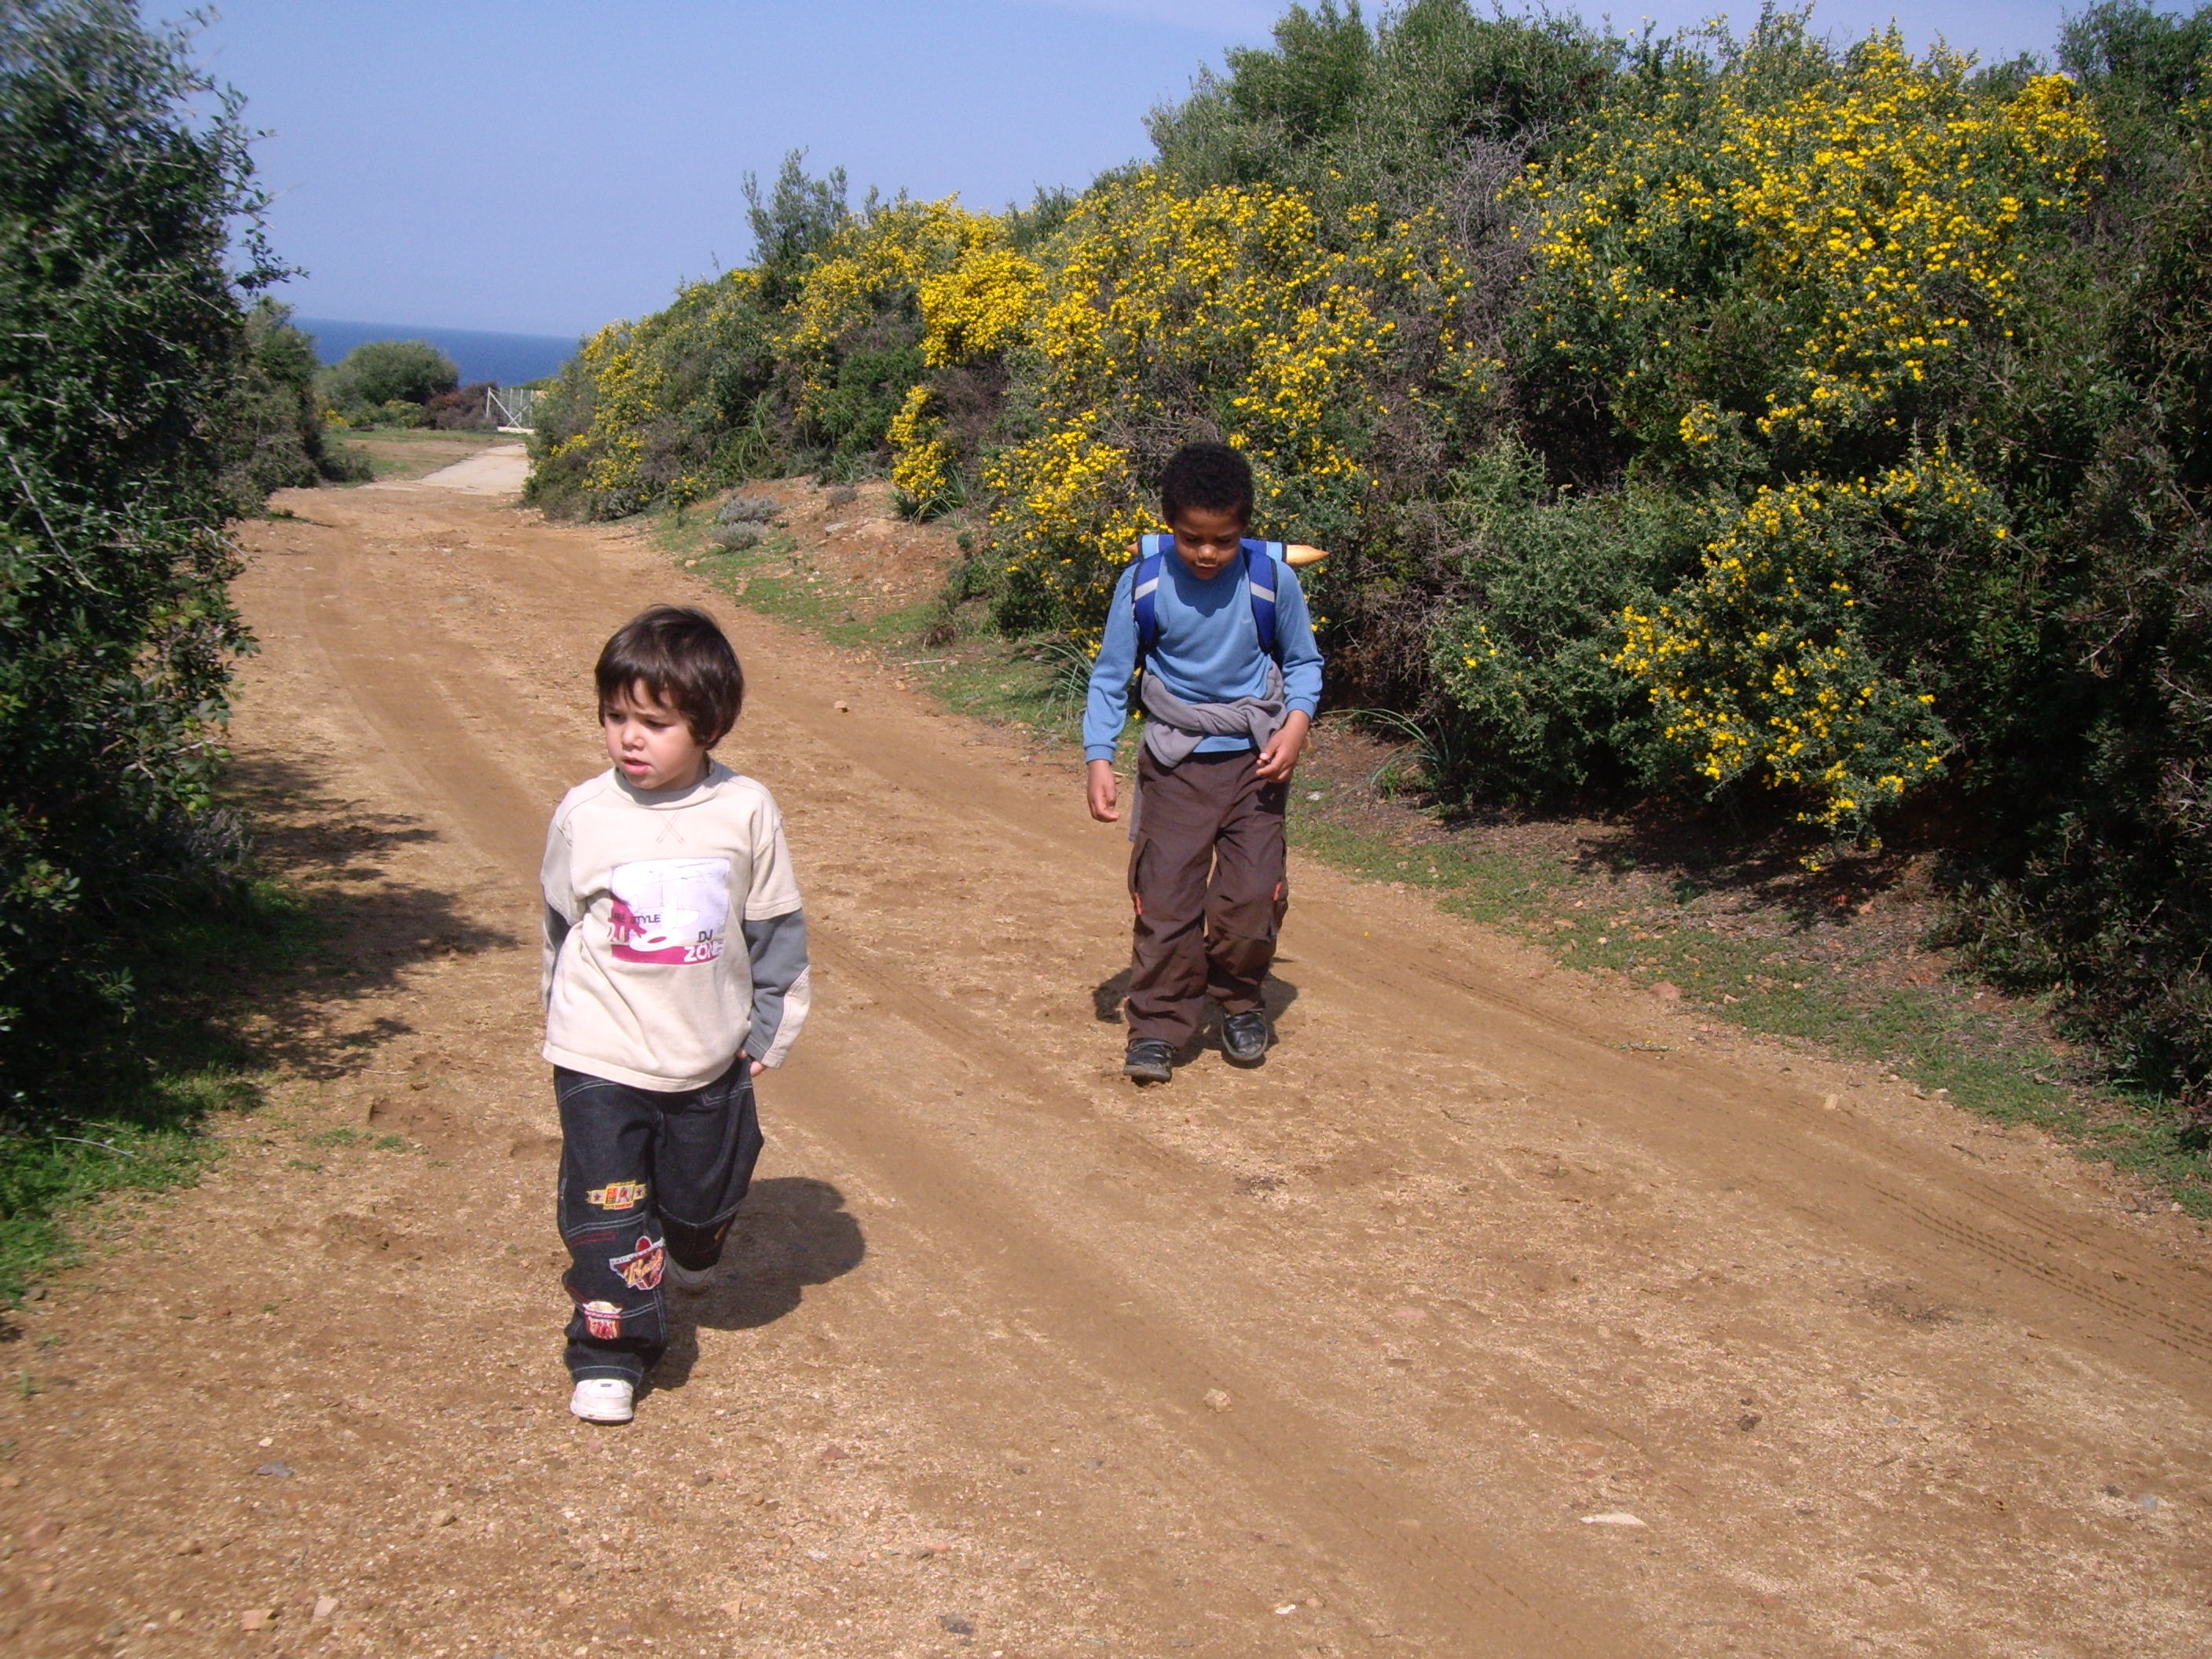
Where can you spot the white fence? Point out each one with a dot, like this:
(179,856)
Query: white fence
(513,408)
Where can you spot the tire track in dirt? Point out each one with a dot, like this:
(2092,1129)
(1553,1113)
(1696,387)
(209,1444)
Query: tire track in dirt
(1265,1455)
(1707,1124)
(1841,1178)
(1465,1271)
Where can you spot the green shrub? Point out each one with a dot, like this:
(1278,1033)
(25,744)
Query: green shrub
(388,382)
(122,345)
(2097,877)
(1536,710)
(1400,113)
(792,224)
(272,434)
(666,409)
(854,413)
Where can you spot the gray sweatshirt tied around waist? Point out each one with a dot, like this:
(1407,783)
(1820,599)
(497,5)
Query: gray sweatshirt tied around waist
(1173,731)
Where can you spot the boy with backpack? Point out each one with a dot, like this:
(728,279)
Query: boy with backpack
(1216,624)
(675,972)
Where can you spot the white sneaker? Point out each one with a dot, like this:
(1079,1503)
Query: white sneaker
(690,1280)
(603,1400)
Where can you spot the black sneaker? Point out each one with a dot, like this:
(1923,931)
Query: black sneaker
(1150,1060)
(1244,1038)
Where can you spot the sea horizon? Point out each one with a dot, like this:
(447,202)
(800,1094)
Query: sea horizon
(479,354)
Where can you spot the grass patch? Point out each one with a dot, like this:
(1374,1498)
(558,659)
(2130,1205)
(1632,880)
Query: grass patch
(777,578)
(143,1130)
(1787,978)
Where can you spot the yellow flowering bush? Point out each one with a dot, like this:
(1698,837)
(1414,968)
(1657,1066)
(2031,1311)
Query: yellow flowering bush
(1814,237)
(898,264)
(983,302)
(1765,663)
(1775,267)
(647,411)
(735,376)
(608,447)
(627,401)
(923,463)
(1889,205)
(877,260)
(1165,316)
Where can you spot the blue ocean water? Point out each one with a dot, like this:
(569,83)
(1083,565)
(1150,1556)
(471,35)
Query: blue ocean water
(509,359)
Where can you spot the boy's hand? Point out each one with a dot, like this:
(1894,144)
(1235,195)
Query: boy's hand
(757,1067)
(1280,757)
(1104,791)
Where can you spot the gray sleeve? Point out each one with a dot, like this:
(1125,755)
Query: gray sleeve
(776,947)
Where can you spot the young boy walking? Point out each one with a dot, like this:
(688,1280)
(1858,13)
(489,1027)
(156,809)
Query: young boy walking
(675,972)
(1218,626)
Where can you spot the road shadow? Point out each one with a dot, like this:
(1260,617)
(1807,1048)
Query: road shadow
(1705,854)
(361,929)
(1109,996)
(1753,856)
(794,1231)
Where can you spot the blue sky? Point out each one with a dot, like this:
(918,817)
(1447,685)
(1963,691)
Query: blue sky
(545,166)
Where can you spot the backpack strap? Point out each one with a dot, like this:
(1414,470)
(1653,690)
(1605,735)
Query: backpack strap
(1260,560)
(1152,552)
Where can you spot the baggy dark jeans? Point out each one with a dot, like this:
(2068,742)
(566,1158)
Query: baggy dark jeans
(644,1176)
(1206,876)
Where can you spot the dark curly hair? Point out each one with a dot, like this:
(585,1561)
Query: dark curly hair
(1212,477)
(683,658)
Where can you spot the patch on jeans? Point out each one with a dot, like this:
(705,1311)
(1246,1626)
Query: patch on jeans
(617,1195)
(603,1320)
(641,1269)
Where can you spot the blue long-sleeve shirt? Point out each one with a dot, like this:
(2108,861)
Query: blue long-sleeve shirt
(1208,651)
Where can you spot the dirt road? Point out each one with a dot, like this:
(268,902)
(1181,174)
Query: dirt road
(1372,1351)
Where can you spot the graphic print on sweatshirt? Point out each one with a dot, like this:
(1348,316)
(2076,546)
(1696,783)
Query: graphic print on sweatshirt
(670,909)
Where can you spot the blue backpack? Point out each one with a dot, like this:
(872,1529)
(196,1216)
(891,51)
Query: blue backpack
(1261,559)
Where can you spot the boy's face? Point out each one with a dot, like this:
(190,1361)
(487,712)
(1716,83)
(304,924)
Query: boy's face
(651,742)
(1206,537)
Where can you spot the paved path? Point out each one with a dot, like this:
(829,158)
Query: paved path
(498,470)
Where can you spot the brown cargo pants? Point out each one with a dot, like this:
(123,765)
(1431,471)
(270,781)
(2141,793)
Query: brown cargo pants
(1206,874)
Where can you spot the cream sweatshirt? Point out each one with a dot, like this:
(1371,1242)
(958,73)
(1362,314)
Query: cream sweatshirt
(673,937)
